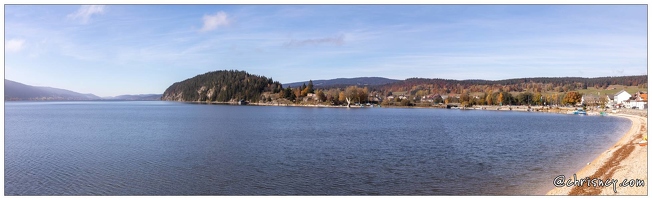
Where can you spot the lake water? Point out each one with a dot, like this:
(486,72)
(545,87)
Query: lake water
(171,148)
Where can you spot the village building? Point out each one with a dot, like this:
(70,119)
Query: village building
(310,97)
(621,97)
(590,99)
(428,98)
(638,101)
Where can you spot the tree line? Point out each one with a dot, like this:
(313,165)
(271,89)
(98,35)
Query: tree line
(545,84)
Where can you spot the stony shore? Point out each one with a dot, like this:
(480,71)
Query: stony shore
(626,159)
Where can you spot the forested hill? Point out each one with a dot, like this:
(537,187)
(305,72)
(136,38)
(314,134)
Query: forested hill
(221,86)
(343,82)
(557,84)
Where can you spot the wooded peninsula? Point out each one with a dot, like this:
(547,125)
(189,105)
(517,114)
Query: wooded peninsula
(232,86)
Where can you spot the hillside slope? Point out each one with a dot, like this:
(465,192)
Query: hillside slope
(18,91)
(359,81)
(221,86)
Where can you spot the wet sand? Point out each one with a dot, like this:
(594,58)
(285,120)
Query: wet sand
(624,160)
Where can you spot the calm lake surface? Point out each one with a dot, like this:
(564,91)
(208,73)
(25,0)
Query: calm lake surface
(171,148)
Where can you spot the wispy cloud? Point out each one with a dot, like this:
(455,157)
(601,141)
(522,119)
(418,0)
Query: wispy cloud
(85,12)
(14,45)
(458,42)
(337,40)
(211,22)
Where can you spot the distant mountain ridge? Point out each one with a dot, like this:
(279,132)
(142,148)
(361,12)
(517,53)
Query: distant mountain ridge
(18,91)
(359,81)
(15,91)
(136,97)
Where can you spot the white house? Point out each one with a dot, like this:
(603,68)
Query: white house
(621,97)
(637,104)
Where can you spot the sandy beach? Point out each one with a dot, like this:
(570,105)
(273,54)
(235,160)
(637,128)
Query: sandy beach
(624,160)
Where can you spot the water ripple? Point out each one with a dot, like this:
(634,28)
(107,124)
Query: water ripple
(135,148)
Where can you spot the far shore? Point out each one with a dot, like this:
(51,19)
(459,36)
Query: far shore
(521,108)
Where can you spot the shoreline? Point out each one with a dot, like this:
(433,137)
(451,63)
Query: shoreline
(626,159)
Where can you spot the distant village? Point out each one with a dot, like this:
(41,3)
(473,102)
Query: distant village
(619,100)
(628,92)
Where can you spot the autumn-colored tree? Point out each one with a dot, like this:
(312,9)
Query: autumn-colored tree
(282,94)
(321,96)
(465,104)
(405,102)
(465,97)
(333,95)
(489,100)
(363,94)
(480,101)
(421,93)
(538,98)
(304,92)
(572,97)
(356,94)
(297,92)
(342,97)
(555,98)
(500,98)
(524,98)
(352,93)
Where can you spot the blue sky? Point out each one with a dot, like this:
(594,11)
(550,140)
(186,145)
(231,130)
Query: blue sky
(135,49)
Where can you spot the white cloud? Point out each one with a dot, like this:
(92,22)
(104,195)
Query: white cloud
(211,22)
(14,45)
(85,12)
